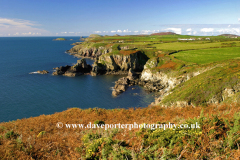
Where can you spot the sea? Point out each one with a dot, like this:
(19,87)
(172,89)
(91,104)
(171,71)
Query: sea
(24,95)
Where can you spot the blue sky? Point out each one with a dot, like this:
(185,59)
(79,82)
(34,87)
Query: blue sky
(108,17)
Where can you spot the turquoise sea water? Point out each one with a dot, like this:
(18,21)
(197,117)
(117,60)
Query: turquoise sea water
(24,95)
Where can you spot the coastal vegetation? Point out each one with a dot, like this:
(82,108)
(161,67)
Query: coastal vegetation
(39,138)
(196,80)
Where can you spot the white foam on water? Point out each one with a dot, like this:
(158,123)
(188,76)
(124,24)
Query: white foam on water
(33,73)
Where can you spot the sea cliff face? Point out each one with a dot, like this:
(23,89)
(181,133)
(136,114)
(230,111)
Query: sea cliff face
(135,61)
(166,81)
(107,61)
(93,52)
(110,63)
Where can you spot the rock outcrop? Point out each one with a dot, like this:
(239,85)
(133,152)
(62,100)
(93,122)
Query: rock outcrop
(82,51)
(225,95)
(98,68)
(81,67)
(61,70)
(110,64)
(43,72)
(120,86)
(123,83)
(135,61)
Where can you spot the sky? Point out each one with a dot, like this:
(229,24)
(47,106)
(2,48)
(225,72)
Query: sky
(123,17)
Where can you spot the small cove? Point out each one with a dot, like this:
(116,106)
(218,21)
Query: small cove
(24,95)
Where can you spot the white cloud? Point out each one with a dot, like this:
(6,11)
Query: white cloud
(22,27)
(189,31)
(136,31)
(238,19)
(113,31)
(97,32)
(119,31)
(207,29)
(195,32)
(229,26)
(175,30)
(229,30)
(70,32)
(146,32)
(29,33)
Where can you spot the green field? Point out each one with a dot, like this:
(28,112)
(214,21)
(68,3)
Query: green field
(192,45)
(204,56)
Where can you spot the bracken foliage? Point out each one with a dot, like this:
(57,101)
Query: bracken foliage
(39,138)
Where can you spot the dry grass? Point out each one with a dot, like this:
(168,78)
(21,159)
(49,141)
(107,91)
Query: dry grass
(61,143)
(168,65)
(127,52)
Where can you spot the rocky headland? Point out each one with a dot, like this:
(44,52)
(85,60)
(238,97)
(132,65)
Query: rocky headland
(154,69)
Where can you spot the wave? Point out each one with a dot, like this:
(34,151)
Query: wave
(33,73)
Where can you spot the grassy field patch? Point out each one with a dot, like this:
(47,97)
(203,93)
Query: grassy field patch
(208,55)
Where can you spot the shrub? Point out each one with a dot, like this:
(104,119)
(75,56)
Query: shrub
(99,122)
(11,134)
(101,145)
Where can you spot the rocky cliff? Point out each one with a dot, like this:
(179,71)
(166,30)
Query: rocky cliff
(162,81)
(81,50)
(111,63)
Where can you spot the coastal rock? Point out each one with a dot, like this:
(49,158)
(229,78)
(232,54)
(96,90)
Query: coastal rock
(120,86)
(131,74)
(135,61)
(93,52)
(43,72)
(97,68)
(79,68)
(151,63)
(112,64)
(181,104)
(61,70)
(72,74)
(227,92)
(115,93)
(214,100)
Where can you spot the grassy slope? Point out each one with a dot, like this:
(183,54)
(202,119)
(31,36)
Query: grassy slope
(39,138)
(198,90)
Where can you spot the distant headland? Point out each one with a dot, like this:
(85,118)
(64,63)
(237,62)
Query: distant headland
(59,39)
